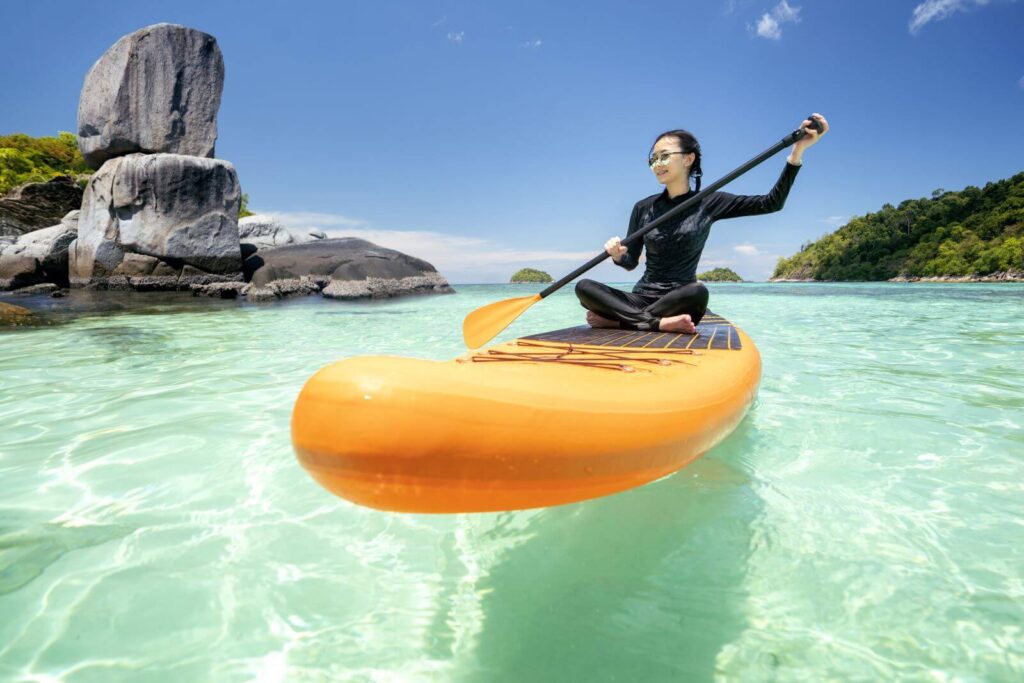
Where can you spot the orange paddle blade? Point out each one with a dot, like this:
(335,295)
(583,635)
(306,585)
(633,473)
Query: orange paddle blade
(484,324)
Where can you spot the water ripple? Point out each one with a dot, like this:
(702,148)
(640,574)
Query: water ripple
(862,523)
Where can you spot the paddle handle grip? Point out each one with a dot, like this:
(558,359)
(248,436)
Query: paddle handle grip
(802,132)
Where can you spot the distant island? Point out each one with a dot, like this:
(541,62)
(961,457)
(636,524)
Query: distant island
(719,275)
(974,234)
(525,275)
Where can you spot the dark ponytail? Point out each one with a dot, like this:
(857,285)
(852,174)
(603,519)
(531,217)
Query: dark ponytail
(688,144)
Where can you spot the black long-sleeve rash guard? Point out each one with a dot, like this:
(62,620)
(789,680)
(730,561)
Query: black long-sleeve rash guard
(674,249)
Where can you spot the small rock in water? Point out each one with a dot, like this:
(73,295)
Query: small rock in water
(44,288)
(12,316)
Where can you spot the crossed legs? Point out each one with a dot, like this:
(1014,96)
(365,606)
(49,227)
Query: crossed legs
(676,311)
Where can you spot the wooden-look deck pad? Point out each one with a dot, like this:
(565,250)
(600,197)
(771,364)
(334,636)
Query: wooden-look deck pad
(713,332)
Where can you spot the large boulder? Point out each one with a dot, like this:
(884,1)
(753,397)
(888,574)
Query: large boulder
(342,268)
(160,221)
(38,205)
(39,256)
(155,90)
(263,232)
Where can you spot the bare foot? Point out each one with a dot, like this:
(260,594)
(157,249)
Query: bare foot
(594,320)
(678,323)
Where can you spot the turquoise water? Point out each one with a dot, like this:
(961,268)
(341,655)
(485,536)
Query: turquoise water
(865,522)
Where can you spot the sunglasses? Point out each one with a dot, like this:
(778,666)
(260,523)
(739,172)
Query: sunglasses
(661,159)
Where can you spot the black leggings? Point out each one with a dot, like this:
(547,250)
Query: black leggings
(642,312)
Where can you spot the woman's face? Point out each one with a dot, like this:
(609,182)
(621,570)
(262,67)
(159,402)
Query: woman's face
(670,165)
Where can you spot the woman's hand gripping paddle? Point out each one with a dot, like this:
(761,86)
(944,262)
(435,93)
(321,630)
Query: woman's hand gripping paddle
(486,322)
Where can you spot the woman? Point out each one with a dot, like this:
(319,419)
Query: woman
(668,297)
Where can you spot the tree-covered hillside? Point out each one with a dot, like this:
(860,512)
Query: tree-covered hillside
(970,232)
(25,159)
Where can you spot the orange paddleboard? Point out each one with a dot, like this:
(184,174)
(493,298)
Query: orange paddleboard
(543,420)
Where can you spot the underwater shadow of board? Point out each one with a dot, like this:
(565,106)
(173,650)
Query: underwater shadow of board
(644,585)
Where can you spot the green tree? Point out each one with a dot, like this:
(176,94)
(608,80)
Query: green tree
(243,208)
(973,231)
(24,159)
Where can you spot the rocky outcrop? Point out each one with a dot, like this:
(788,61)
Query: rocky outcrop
(160,221)
(38,205)
(266,232)
(263,232)
(219,290)
(155,90)
(1001,276)
(342,268)
(385,288)
(310,235)
(37,257)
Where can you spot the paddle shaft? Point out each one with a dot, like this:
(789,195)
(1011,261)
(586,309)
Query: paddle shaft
(669,215)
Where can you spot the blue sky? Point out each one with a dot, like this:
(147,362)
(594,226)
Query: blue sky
(488,136)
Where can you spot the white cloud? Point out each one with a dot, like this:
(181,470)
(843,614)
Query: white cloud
(460,258)
(936,10)
(533,43)
(835,221)
(745,249)
(440,21)
(783,12)
(768,26)
(310,220)
(456,37)
(756,266)
(1021,82)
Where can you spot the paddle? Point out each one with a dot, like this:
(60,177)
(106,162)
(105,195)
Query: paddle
(486,322)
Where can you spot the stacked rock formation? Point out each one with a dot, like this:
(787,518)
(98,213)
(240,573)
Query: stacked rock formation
(160,212)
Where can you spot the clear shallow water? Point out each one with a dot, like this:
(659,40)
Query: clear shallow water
(865,522)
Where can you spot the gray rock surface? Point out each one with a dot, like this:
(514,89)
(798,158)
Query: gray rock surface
(160,221)
(38,205)
(344,268)
(384,288)
(311,235)
(219,290)
(263,232)
(155,90)
(266,232)
(37,257)
(42,288)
